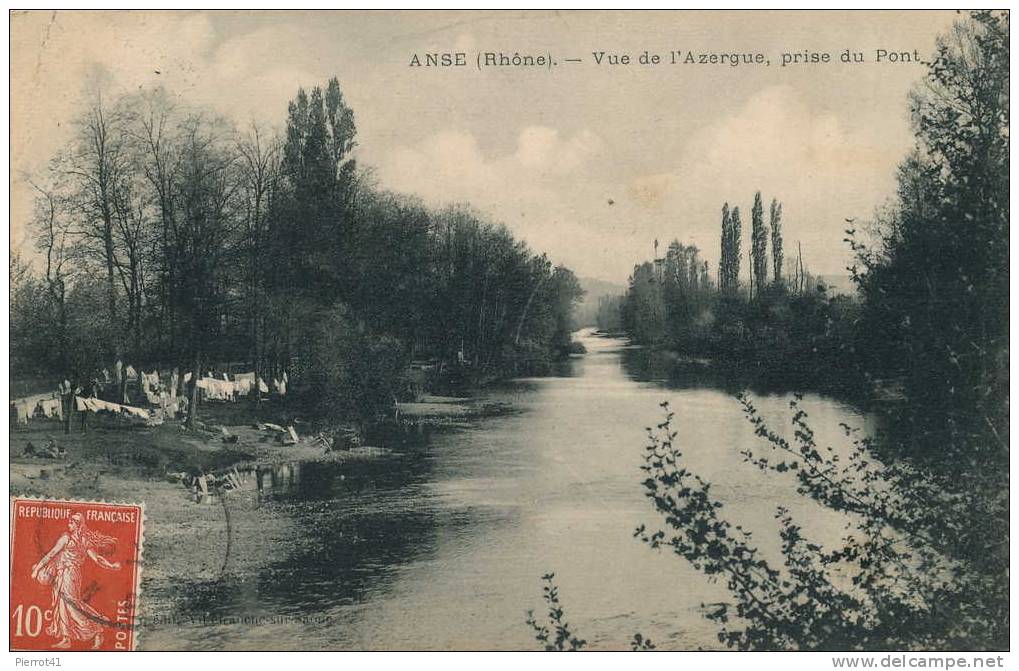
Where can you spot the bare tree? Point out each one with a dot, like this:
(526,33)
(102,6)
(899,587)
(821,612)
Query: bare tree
(56,240)
(259,155)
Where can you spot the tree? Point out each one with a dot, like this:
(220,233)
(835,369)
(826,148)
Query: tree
(565,294)
(736,235)
(56,239)
(154,127)
(759,244)
(227,245)
(205,237)
(310,229)
(729,260)
(260,174)
(935,284)
(97,165)
(776,240)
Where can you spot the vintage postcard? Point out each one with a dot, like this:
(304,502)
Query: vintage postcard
(521,330)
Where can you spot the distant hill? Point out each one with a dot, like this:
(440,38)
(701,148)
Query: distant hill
(594,289)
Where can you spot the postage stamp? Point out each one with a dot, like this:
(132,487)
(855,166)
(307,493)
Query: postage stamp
(75,574)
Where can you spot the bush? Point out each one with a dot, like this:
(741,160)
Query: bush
(353,373)
(925,553)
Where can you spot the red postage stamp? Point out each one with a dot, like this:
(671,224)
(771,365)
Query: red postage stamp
(75,574)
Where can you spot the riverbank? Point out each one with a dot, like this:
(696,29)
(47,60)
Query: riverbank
(192,537)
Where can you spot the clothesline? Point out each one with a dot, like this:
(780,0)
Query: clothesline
(96,405)
(163,397)
(29,406)
(214,388)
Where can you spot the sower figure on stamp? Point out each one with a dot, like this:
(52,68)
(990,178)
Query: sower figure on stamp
(61,568)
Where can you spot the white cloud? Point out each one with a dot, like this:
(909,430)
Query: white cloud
(553,190)
(818,169)
(449,166)
(535,189)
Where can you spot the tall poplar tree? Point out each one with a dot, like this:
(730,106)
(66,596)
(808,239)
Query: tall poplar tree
(724,256)
(777,255)
(736,235)
(759,243)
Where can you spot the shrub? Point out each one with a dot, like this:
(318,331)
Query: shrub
(917,580)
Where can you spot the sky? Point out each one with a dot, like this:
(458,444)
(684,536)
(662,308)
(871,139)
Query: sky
(589,163)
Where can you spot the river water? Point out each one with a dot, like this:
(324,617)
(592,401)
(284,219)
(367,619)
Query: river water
(445,547)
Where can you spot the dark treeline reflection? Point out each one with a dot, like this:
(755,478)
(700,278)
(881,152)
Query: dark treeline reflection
(352,527)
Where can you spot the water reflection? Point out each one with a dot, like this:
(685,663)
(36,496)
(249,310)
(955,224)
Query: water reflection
(276,478)
(443,548)
(677,372)
(350,527)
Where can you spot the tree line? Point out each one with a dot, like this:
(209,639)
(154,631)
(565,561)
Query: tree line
(929,320)
(782,325)
(169,237)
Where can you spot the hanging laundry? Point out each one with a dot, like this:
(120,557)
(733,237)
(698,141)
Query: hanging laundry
(22,410)
(217,390)
(98,405)
(53,408)
(132,374)
(29,406)
(150,381)
(140,413)
(244,383)
(262,386)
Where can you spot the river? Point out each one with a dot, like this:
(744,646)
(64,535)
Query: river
(445,548)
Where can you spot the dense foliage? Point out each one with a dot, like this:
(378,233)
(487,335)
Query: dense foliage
(935,285)
(793,331)
(170,238)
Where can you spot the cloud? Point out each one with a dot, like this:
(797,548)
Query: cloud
(821,171)
(553,188)
(541,189)
(650,190)
(589,169)
(449,165)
